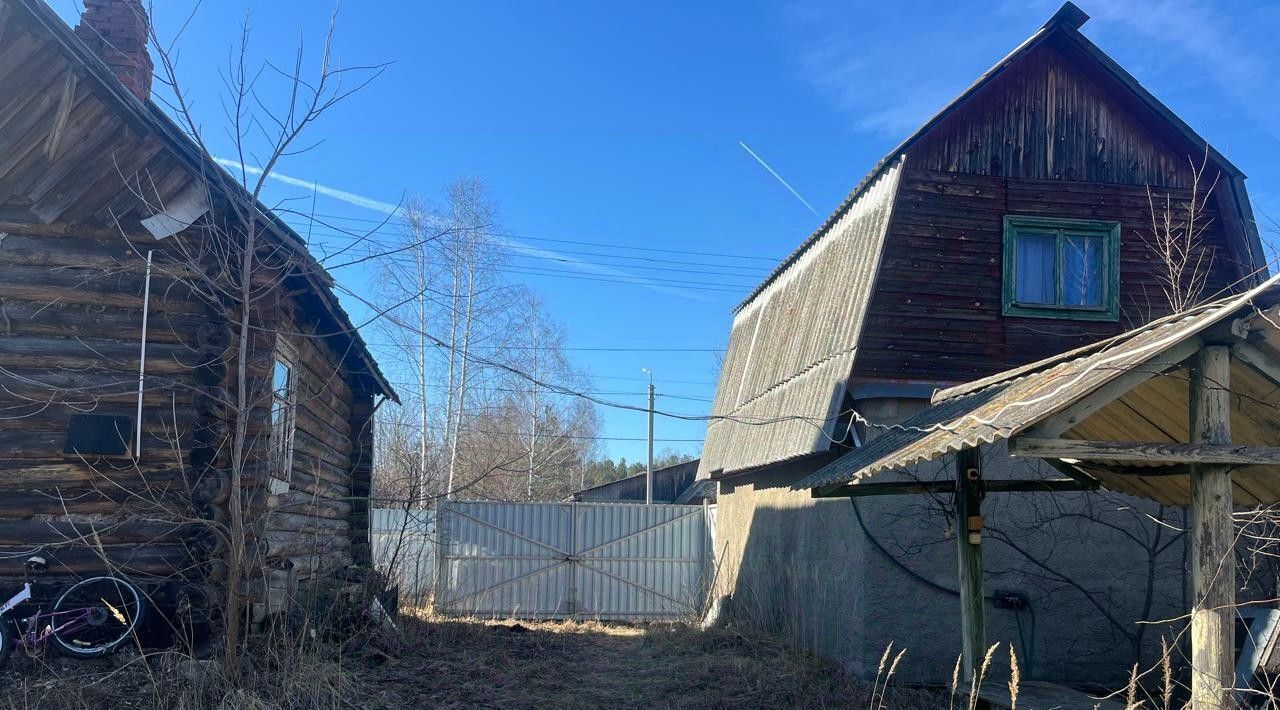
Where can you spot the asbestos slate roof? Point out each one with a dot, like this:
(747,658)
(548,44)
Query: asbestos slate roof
(792,345)
(1004,405)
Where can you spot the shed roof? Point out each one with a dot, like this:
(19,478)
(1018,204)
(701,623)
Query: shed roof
(764,375)
(670,483)
(1129,388)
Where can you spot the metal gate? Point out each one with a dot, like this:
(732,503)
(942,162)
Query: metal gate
(404,547)
(571,560)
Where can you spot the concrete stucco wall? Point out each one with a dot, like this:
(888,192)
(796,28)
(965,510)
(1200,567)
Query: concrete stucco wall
(803,568)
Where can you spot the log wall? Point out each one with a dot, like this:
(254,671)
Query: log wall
(320,525)
(70,336)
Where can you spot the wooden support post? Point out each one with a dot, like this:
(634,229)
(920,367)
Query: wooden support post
(1212,563)
(973,628)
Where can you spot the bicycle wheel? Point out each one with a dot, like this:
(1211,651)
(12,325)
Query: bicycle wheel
(96,616)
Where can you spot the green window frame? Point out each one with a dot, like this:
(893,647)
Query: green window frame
(1062,230)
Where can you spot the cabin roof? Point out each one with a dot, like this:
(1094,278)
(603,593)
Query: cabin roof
(196,165)
(1141,409)
(799,398)
(794,345)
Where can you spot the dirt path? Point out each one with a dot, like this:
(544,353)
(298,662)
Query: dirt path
(462,664)
(466,664)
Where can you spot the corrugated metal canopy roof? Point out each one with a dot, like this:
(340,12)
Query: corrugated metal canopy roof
(1128,388)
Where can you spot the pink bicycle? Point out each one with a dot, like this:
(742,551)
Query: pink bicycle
(90,619)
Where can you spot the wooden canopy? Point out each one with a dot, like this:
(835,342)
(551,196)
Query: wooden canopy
(1182,411)
(1114,414)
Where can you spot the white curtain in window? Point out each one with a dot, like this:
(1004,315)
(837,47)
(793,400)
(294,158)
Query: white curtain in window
(1036,256)
(1082,270)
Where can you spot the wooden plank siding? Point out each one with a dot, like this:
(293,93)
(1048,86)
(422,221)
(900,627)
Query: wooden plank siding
(941,274)
(1051,116)
(1050,136)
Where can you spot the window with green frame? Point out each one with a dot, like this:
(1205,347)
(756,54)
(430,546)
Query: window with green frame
(1061,268)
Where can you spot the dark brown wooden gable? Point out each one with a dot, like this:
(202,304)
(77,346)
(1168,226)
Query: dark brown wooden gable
(1053,134)
(935,313)
(1054,115)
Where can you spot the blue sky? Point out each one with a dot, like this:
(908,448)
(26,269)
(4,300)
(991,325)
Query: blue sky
(620,124)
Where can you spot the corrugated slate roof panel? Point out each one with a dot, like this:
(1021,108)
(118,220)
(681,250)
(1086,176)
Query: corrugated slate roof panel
(792,346)
(1001,406)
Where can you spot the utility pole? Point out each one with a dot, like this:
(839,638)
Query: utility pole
(648,475)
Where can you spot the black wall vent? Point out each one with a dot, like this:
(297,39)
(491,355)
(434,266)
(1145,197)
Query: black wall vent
(99,435)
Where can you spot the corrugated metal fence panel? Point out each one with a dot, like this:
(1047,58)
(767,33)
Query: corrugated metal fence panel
(559,560)
(404,546)
(500,559)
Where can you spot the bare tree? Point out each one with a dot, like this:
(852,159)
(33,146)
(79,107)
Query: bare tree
(1177,238)
(237,261)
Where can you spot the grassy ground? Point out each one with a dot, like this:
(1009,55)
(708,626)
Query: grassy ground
(467,664)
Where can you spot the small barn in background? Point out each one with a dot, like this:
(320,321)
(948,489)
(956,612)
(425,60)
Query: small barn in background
(671,484)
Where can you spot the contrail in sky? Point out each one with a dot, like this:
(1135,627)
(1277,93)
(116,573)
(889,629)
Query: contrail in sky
(348,197)
(387,208)
(775,174)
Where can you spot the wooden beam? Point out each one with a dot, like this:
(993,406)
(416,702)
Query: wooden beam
(1258,360)
(1087,482)
(973,624)
(64,112)
(884,488)
(1044,485)
(890,488)
(1146,471)
(1213,560)
(1114,389)
(1144,451)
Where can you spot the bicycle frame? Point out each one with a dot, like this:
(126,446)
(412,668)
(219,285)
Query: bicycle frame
(32,637)
(23,595)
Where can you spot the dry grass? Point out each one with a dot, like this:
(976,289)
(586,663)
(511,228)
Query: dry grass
(457,664)
(466,664)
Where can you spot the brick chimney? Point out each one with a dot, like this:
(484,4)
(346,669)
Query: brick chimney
(117,31)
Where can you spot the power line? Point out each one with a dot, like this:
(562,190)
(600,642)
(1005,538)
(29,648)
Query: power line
(400,254)
(368,237)
(580,437)
(659,250)
(575,275)
(627,279)
(816,422)
(510,390)
(605,349)
(751,279)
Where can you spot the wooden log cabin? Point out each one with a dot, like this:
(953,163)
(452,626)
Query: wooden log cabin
(1015,224)
(108,218)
